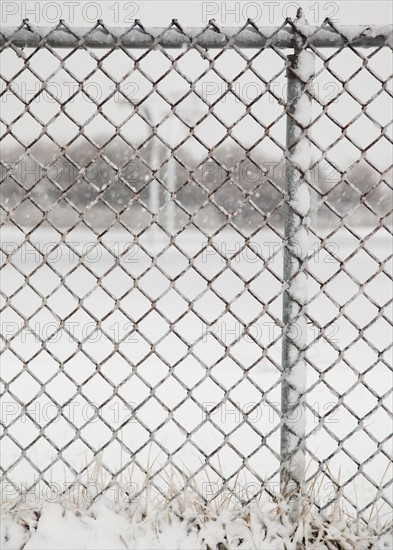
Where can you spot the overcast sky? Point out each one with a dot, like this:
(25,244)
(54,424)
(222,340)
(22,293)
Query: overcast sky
(160,12)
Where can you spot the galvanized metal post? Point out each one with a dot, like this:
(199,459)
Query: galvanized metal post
(297,209)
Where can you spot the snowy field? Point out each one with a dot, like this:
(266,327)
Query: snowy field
(207,362)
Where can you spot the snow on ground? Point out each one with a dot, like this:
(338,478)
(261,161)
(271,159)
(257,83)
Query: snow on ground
(102,526)
(119,390)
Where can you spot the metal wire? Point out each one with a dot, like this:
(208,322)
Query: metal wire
(155,195)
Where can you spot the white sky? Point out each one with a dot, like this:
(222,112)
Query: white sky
(160,12)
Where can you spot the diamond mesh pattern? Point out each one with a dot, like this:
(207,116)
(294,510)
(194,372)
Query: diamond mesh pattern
(142,210)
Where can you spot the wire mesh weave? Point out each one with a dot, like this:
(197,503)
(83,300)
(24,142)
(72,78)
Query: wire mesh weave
(142,206)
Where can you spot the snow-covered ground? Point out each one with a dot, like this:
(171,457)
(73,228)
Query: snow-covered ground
(104,526)
(137,391)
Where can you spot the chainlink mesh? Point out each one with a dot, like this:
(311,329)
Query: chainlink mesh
(142,207)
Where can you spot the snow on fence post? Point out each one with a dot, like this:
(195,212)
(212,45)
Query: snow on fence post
(297,207)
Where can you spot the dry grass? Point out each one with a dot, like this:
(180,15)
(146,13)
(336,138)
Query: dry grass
(269,520)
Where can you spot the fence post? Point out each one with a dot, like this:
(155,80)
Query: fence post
(297,208)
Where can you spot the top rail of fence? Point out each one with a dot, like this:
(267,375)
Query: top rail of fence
(250,35)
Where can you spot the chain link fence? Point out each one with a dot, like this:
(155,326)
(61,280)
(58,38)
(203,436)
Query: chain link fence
(195,286)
